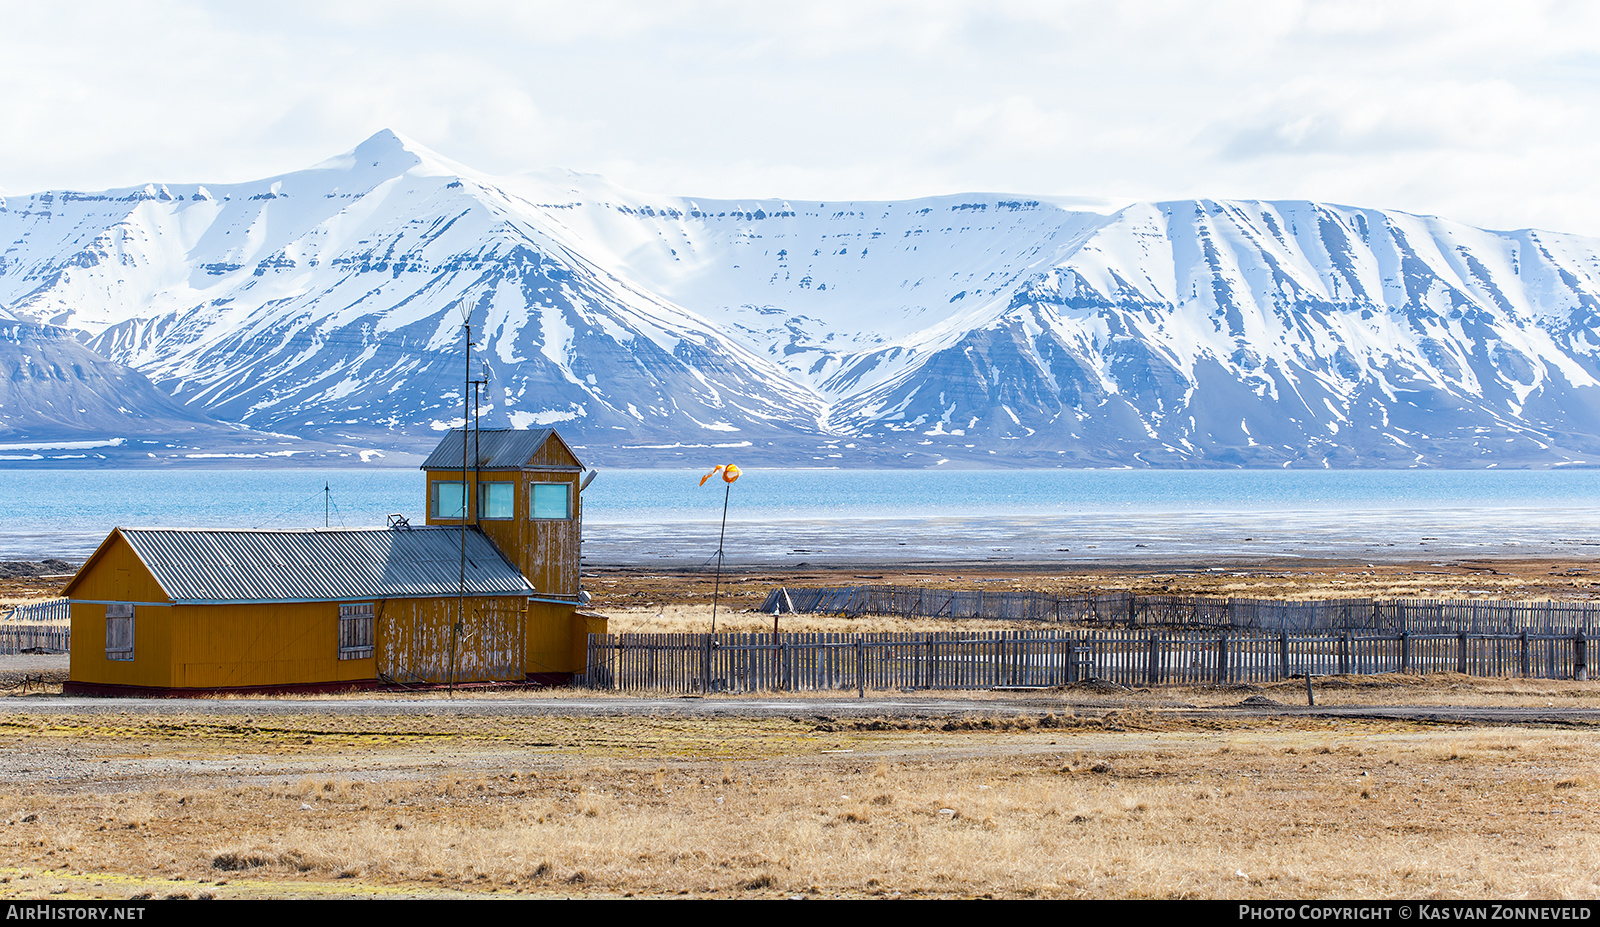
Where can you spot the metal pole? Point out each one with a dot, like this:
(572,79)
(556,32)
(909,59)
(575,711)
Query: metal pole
(477,448)
(716,591)
(475,510)
(466,409)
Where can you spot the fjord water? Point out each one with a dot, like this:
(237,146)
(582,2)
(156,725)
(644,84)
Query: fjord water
(862,516)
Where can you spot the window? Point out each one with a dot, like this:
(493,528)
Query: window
(497,500)
(447,498)
(119,631)
(550,500)
(355,631)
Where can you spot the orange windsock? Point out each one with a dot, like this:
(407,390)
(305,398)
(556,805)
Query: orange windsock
(729,473)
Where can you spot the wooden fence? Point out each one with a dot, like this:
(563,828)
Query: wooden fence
(1120,608)
(683,663)
(37,625)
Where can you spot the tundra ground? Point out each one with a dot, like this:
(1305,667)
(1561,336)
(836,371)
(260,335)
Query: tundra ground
(1073,793)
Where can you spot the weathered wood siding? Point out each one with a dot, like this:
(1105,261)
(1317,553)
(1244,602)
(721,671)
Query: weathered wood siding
(421,640)
(554,455)
(549,553)
(545,550)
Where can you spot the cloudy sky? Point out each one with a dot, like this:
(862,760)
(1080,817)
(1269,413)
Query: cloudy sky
(1485,112)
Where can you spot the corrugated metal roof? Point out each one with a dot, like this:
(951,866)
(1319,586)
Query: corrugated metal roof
(498,449)
(196,565)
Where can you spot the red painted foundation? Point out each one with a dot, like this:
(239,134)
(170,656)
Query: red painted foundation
(102,690)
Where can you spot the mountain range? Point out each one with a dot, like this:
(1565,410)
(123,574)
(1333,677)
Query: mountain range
(320,316)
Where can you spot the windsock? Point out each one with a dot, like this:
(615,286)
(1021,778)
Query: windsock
(729,473)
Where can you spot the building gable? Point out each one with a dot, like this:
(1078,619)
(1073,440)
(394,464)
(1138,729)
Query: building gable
(503,449)
(116,573)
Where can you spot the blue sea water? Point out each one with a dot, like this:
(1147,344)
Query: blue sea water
(854,516)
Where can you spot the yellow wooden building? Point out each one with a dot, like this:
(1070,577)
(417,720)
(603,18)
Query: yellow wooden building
(486,594)
(521,488)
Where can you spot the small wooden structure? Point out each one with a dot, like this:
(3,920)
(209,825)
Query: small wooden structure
(521,489)
(485,595)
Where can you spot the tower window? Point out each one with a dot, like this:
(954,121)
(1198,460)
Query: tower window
(448,499)
(497,500)
(551,500)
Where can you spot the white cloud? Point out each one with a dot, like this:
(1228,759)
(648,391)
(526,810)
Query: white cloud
(1479,111)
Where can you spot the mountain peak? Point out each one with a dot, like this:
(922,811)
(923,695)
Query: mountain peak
(385,144)
(392,153)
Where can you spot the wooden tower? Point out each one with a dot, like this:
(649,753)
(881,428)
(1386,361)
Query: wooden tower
(521,489)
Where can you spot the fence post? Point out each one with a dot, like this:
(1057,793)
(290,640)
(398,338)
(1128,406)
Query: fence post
(1343,653)
(1222,658)
(1405,651)
(1153,668)
(1283,654)
(1072,659)
(1524,653)
(861,667)
(705,666)
(1461,653)
(1580,657)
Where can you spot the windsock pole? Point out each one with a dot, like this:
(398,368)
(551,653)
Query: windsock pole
(716,590)
(729,474)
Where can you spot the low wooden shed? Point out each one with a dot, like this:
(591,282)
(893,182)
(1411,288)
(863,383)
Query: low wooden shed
(181,609)
(489,594)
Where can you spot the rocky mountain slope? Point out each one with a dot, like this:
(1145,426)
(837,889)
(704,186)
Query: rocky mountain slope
(328,304)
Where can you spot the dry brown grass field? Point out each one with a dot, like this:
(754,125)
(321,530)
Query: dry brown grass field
(744,588)
(1086,794)
(1123,803)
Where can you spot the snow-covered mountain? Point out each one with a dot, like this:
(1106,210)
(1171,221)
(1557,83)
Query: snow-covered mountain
(328,304)
(61,404)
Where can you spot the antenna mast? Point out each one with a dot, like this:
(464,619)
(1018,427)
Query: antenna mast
(477,436)
(466,410)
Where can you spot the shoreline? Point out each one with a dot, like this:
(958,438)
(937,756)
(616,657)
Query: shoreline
(1099,541)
